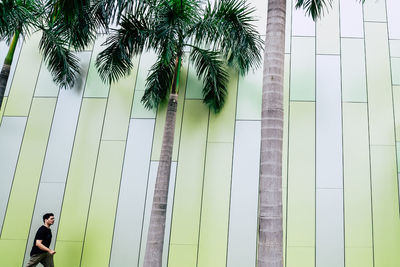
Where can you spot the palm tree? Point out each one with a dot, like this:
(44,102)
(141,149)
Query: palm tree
(17,17)
(68,27)
(270,236)
(220,35)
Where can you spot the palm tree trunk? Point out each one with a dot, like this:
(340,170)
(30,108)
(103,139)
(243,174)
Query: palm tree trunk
(270,239)
(5,71)
(155,236)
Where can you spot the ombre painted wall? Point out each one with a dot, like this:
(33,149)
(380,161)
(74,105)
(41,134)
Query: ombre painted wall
(90,154)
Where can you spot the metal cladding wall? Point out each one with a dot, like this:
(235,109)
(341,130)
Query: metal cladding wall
(90,154)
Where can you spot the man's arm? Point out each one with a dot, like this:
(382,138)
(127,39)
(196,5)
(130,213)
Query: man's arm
(43,247)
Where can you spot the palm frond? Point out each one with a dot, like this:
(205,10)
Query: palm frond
(211,69)
(116,60)
(21,16)
(76,18)
(314,8)
(62,63)
(228,26)
(158,83)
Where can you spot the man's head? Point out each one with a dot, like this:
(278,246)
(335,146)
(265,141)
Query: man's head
(48,219)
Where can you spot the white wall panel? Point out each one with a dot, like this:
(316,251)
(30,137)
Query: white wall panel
(62,134)
(329,168)
(351,19)
(244,195)
(129,219)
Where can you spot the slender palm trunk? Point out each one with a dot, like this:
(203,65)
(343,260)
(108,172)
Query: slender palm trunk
(155,236)
(270,239)
(5,71)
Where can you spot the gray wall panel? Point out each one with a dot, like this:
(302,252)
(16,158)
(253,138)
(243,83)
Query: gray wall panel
(351,19)
(149,202)
(393,7)
(329,169)
(129,218)
(329,228)
(49,200)
(62,135)
(11,134)
(244,195)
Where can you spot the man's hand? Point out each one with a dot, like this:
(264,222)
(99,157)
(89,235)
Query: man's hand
(52,252)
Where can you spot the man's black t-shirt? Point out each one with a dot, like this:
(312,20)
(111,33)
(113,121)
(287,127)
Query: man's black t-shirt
(44,234)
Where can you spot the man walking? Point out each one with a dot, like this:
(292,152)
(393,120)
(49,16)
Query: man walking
(40,251)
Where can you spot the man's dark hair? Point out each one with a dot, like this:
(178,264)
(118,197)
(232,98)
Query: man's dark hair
(47,215)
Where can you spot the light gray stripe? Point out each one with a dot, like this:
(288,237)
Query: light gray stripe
(11,134)
(49,200)
(329,228)
(244,195)
(149,202)
(351,19)
(329,167)
(59,149)
(132,196)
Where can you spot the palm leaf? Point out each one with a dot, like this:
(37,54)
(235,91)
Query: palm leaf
(18,16)
(62,63)
(211,69)
(228,27)
(115,61)
(158,83)
(314,8)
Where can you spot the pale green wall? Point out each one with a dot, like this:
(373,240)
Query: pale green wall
(90,154)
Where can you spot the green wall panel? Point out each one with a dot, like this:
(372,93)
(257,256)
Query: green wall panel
(356,257)
(302,72)
(353,70)
(395,71)
(182,255)
(375,11)
(194,87)
(103,204)
(385,203)
(222,124)
(26,73)
(95,87)
(81,172)
(160,120)
(249,96)
(119,107)
(189,181)
(300,256)
(23,193)
(328,36)
(394,48)
(357,185)
(45,87)
(147,59)
(68,254)
(11,251)
(379,84)
(301,180)
(396,107)
(215,205)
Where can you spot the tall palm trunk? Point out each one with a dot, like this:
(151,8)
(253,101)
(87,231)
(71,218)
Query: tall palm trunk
(155,236)
(270,239)
(5,71)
